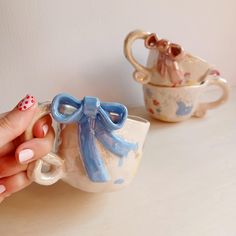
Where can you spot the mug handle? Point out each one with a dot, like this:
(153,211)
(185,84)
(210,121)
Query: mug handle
(51,161)
(141,74)
(219,82)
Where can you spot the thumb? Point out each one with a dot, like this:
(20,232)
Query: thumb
(14,123)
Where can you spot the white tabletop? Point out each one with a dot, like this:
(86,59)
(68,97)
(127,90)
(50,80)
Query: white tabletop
(186,186)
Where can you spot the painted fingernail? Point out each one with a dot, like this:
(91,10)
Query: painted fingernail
(2,188)
(27,102)
(25,155)
(45,129)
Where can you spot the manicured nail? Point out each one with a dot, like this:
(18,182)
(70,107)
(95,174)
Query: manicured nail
(45,129)
(2,188)
(25,155)
(27,102)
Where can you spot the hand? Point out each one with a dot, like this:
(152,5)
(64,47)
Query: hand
(15,154)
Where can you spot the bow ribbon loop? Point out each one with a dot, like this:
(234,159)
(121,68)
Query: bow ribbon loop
(167,61)
(95,120)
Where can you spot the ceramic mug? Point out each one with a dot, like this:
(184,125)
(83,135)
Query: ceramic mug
(167,64)
(173,104)
(98,147)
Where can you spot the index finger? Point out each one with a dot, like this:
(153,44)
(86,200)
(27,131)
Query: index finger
(14,123)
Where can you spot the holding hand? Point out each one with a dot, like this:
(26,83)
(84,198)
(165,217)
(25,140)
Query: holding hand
(15,153)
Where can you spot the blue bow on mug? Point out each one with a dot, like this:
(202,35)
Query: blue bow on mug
(96,120)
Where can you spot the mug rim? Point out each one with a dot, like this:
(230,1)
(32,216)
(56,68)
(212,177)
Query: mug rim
(70,109)
(203,83)
(138,119)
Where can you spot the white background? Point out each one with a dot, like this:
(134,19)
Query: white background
(186,183)
(53,46)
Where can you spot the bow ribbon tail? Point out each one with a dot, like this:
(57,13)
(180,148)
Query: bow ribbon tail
(92,160)
(161,65)
(176,75)
(114,143)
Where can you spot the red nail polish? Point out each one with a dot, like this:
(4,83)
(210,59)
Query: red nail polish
(27,102)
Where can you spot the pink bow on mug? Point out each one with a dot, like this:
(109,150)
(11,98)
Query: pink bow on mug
(167,62)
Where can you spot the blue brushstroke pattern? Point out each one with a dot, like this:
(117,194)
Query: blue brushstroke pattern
(148,92)
(183,109)
(119,181)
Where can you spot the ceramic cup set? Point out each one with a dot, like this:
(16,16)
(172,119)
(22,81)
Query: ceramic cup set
(98,148)
(173,80)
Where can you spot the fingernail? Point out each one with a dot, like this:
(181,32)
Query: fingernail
(25,155)
(27,102)
(2,188)
(45,129)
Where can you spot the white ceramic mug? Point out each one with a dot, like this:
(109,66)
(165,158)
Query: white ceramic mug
(167,64)
(173,104)
(68,162)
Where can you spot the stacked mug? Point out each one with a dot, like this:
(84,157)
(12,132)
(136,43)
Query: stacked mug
(173,80)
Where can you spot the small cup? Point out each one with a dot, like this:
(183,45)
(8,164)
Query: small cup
(98,147)
(173,104)
(167,64)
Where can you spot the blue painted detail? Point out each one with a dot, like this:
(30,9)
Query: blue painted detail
(94,122)
(183,109)
(158,110)
(121,162)
(119,181)
(148,92)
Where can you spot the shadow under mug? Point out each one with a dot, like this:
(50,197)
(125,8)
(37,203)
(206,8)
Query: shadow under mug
(174,104)
(66,162)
